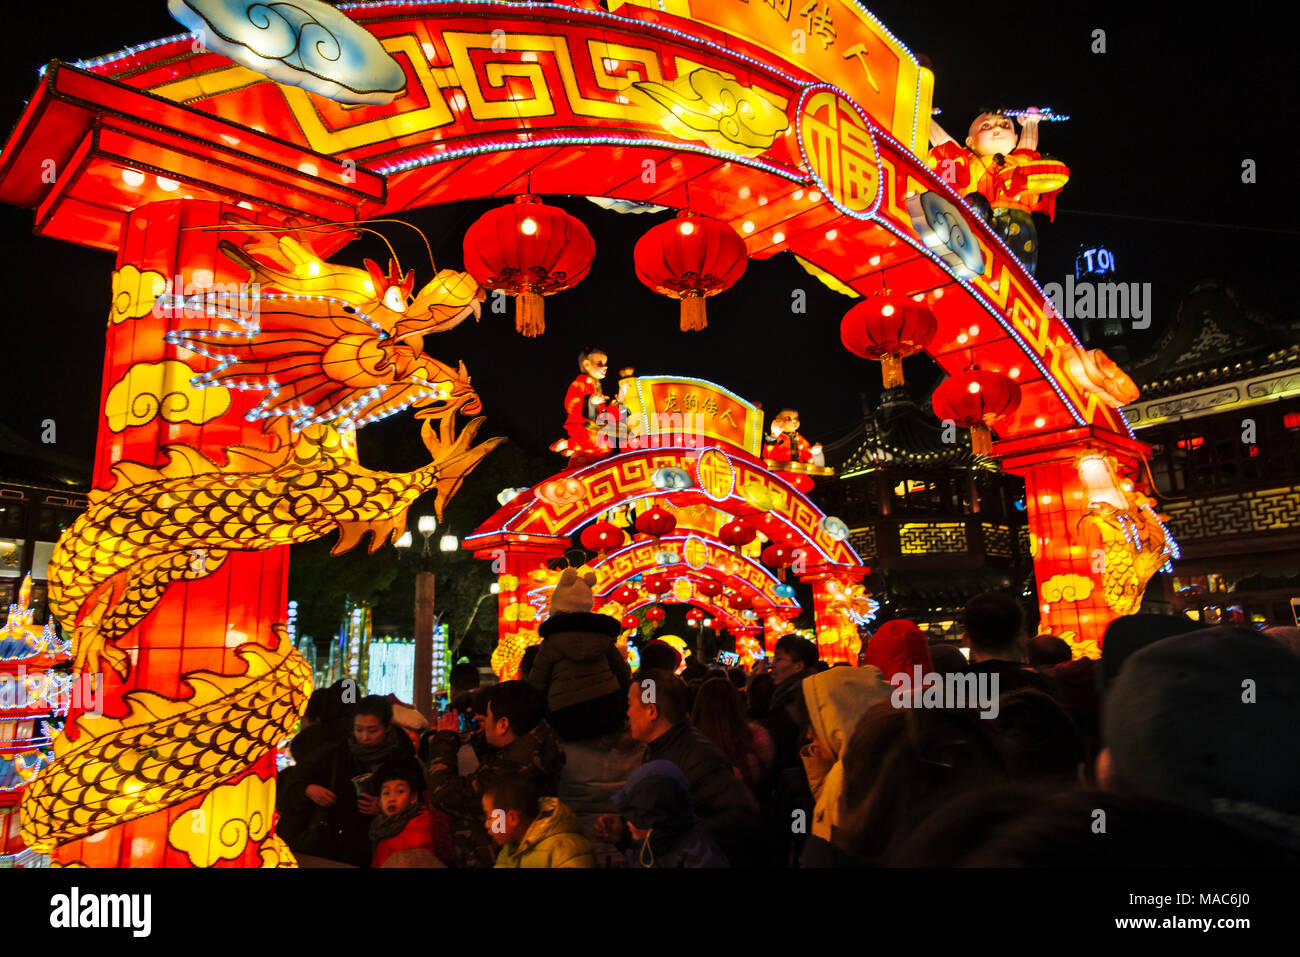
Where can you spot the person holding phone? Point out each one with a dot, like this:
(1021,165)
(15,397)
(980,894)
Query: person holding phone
(340,784)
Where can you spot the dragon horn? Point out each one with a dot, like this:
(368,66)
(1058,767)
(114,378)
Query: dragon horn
(377,276)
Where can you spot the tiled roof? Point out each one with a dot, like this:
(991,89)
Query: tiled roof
(899,432)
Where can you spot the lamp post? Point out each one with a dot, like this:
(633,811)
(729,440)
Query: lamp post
(422,698)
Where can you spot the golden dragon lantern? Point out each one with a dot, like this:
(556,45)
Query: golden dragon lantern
(180,755)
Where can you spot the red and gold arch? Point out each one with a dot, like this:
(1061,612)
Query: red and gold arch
(171,154)
(703,474)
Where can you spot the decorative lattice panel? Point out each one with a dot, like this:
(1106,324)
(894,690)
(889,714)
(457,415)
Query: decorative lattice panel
(947,538)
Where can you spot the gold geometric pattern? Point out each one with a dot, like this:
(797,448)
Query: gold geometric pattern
(1261,510)
(946,538)
(863,541)
(997,541)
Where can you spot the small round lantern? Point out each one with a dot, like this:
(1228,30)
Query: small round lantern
(974,399)
(630,622)
(737,534)
(528,250)
(710,588)
(656,585)
(626,595)
(779,557)
(600,537)
(690,258)
(888,327)
(694,617)
(654,613)
(655,522)
(741,602)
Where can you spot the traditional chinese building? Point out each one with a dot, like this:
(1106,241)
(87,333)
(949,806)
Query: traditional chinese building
(935,524)
(1220,408)
(41,492)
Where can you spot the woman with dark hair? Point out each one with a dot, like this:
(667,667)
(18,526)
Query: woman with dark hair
(717,714)
(338,791)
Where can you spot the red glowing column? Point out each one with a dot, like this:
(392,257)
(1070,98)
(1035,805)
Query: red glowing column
(147,403)
(520,605)
(1067,572)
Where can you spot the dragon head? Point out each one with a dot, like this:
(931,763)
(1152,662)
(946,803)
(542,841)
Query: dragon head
(336,345)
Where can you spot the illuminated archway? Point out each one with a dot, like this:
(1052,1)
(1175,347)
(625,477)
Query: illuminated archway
(164,151)
(530,532)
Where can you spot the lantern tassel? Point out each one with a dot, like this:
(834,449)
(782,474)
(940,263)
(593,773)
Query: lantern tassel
(891,369)
(981,439)
(693,314)
(530,314)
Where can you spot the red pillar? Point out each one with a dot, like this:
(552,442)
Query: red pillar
(197,624)
(1067,567)
(520,608)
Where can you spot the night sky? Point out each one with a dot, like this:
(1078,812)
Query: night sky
(1160,126)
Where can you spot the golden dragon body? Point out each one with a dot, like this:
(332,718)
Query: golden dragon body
(335,347)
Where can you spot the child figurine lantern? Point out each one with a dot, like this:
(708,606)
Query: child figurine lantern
(787,445)
(596,425)
(1003,178)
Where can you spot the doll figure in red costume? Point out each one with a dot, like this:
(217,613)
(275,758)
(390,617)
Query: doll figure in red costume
(1002,177)
(588,413)
(787,445)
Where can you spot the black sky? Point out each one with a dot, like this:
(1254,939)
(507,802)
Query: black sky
(1160,126)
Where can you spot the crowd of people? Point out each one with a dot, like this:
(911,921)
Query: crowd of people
(1176,747)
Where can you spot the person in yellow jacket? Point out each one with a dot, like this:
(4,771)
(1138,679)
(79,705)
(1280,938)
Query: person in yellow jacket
(836,700)
(532,831)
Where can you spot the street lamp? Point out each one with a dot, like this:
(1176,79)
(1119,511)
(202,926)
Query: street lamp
(448,542)
(424,592)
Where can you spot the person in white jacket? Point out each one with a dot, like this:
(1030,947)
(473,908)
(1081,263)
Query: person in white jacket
(837,699)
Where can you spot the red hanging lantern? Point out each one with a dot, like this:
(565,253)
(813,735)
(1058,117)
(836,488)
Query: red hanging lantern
(694,617)
(710,588)
(630,622)
(600,537)
(779,557)
(888,327)
(528,250)
(974,399)
(654,613)
(737,534)
(690,258)
(626,595)
(655,522)
(741,602)
(656,585)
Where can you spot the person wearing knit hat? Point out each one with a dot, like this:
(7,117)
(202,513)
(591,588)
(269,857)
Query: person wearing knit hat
(1207,720)
(836,699)
(896,648)
(578,668)
(656,805)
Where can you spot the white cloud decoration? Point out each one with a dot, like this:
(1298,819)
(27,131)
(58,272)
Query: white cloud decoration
(303,43)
